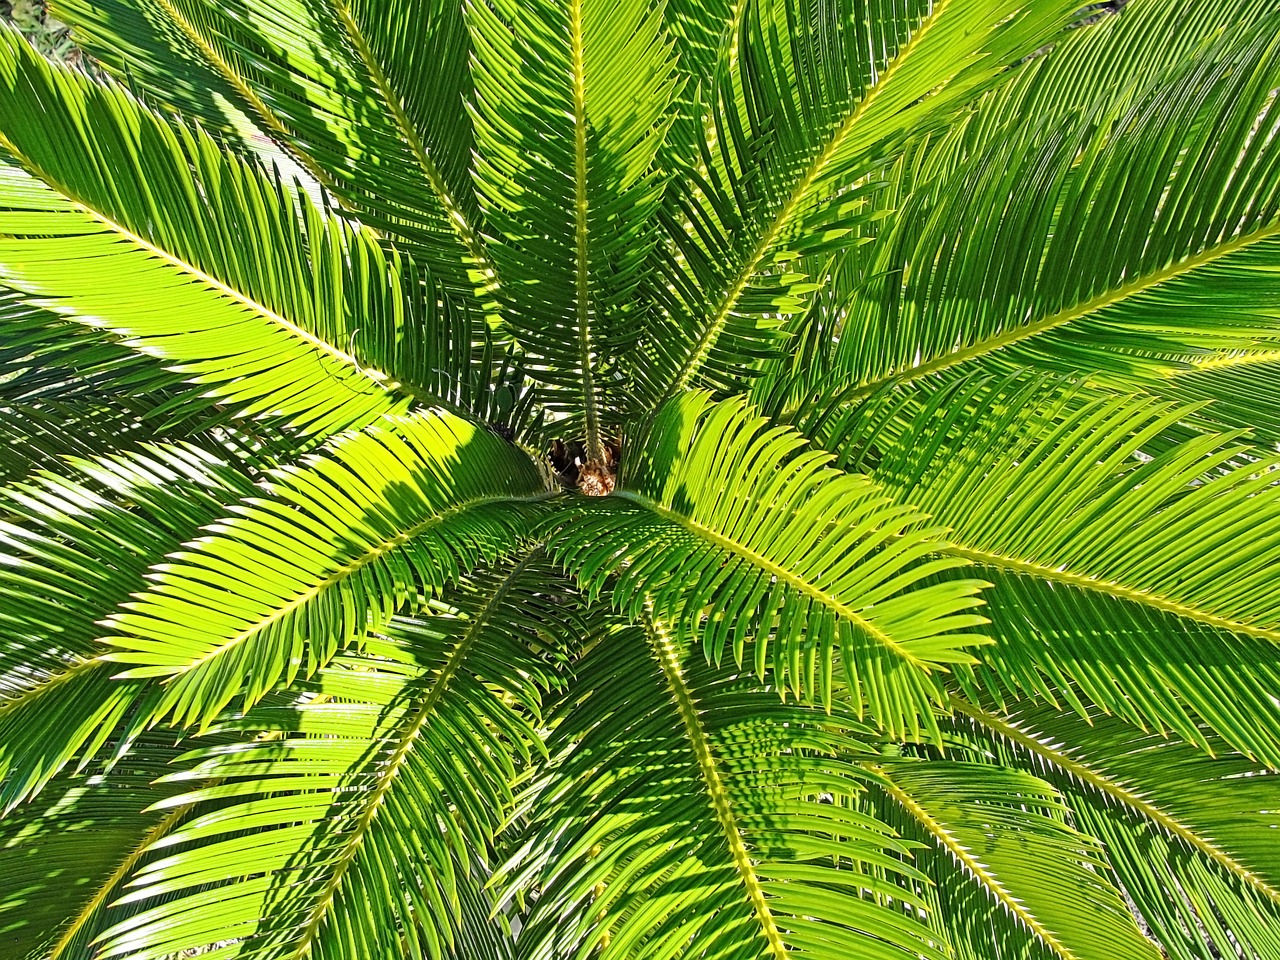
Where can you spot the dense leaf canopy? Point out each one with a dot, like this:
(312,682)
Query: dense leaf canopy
(575,479)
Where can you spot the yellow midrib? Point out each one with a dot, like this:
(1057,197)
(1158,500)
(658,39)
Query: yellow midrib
(389,771)
(461,225)
(207,279)
(582,278)
(669,660)
(1069,315)
(382,548)
(108,886)
(1111,588)
(1111,788)
(1230,362)
(961,853)
(73,669)
(780,572)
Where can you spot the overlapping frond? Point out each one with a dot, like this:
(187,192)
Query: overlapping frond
(1240,390)
(733,532)
(571,105)
(1013,878)
(63,855)
(53,370)
(687,812)
(818,96)
(706,44)
(1018,255)
(367,95)
(356,821)
(67,390)
(74,545)
(1188,835)
(153,48)
(1110,564)
(125,222)
(343,540)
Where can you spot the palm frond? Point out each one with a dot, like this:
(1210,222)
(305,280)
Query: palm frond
(1012,877)
(62,856)
(815,100)
(152,48)
(686,812)
(76,544)
(1050,489)
(221,277)
(362,808)
(1073,647)
(367,95)
(344,540)
(1239,391)
(571,104)
(720,512)
(67,390)
(1190,155)
(1187,834)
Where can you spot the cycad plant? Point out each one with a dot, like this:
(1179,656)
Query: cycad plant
(702,479)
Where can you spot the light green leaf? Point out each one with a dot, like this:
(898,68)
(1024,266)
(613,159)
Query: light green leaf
(365,807)
(125,222)
(570,111)
(688,812)
(725,518)
(345,539)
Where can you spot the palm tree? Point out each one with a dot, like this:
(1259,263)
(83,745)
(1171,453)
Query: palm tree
(703,479)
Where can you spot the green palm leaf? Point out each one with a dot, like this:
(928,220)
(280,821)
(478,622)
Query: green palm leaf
(343,542)
(75,545)
(569,115)
(723,512)
(1070,287)
(63,856)
(682,814)
(1240,390)
(198,235)
(361,808)
(1008,832)
(371,104)
(1049,488)
(742,479)
(816,98)
(1187,836)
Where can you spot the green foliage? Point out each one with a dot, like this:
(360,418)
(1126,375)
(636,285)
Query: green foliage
(722,480)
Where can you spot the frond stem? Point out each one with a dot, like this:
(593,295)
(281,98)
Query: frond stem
(720,316)
(1231,361)
(1115,791)
(975,866)
(668,657)
(388,771)
(1067,315)
(1111,588)
(591,416)
(100,895)
(72,671)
